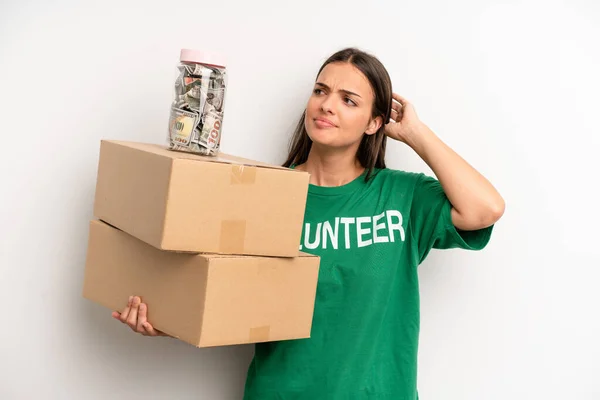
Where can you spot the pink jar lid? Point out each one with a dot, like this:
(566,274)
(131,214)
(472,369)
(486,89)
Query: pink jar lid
(202,57)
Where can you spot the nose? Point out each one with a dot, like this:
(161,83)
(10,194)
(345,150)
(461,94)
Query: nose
(327,105)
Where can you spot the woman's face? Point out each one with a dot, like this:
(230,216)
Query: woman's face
(339,110)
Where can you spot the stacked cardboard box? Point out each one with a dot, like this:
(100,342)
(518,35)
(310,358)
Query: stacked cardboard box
(209,243)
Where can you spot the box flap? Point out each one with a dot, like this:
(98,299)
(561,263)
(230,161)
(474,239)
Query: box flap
(220,158)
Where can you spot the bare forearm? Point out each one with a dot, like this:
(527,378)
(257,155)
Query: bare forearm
(476,203)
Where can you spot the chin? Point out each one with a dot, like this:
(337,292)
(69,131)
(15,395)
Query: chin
(322,137)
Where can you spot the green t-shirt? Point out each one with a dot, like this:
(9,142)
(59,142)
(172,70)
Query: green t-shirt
(371,237)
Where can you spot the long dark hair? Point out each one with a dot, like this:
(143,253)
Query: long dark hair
(371,151)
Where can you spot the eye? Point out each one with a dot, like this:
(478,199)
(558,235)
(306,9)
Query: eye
(317,91)
(349,101)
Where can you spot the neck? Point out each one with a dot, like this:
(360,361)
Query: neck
(327,168)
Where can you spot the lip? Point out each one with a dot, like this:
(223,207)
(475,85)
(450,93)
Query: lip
(324,123)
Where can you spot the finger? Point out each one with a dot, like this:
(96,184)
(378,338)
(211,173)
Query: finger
(125,313)
(153,331)
(133,313)
(396,106)
(116,315)
(396,116)
(142,318)
(399,99)
(149,329)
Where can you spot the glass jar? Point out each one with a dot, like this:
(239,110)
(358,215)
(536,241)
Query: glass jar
(196,118)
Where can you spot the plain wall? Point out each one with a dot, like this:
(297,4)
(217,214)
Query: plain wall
(510,85)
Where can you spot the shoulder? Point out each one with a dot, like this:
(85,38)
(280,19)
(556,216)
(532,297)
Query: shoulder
(415,185)
(400,177)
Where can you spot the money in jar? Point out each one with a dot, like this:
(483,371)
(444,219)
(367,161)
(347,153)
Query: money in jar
(196,117)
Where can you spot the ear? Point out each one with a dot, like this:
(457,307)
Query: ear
(374,125)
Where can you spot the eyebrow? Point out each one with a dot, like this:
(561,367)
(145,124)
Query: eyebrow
(341,90)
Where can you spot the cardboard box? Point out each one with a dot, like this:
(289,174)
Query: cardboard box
(203,299)
(186,202)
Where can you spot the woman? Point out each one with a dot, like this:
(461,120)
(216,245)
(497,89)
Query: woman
(372,227)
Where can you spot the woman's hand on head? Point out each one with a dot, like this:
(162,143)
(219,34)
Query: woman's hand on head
(135,316)
(404,120)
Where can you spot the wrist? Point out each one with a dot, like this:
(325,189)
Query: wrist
(417,135)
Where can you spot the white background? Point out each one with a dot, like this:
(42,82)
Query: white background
(511,85)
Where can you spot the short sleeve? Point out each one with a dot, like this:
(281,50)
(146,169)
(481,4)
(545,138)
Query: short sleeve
(431,221)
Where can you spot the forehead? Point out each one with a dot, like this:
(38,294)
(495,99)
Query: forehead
(345,76)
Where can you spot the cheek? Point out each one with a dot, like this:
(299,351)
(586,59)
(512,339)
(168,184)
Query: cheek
(312,106)
(354,120)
